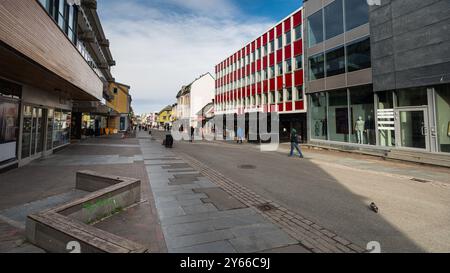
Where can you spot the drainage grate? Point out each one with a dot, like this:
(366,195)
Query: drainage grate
(420,180)
(265,207)
(247,167)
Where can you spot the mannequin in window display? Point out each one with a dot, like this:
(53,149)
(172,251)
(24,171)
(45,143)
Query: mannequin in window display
(359,128)
(370,129)
(317,128)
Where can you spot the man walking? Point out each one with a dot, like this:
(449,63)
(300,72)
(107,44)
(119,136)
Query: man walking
(295,139)
(240,135)
(192,133)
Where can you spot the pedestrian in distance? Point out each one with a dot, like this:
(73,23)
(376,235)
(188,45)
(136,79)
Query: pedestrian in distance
(240,135)
(295,140)
(192,133)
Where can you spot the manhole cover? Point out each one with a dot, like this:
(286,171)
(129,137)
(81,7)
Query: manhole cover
(247,167)
(265,207)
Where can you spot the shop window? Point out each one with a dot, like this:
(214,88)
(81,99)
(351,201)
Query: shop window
(316,67)
(385,117)
(356,13)
(335,62)
(318,106)
(9,128)
(338,122)
(363,116)
(315,28)
(443,117)
(61,128)
(334,19)
(358,55)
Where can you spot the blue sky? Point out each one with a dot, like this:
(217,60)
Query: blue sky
(160,45)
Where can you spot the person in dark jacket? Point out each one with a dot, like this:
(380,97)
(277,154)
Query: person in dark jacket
(192,133)
(294,143)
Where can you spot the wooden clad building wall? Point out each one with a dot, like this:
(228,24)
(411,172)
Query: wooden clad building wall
(26,27)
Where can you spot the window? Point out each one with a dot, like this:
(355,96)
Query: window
(335,62)
(299,62)
(264,75)
(298,92)
(316,67)
(334,19)
(362,115)
(298,32)
(280,68)
(289,94)
(272,97)
(338,122)
(272,71)
(443,117)
(288,37)
(356,13)
(358,55)
(280,96)
(288,65)
(280,42)
(258,77)
(318,106)
(315,28)
(258,54)
(265,52)
(272,46)
(115,90)
(263,98)
(258,99)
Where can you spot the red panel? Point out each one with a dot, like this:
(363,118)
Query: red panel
(298,48)
(248,69)
(272,84)
(279,30)
(265,86)
(271,34)
(253,89)
(264,41)
(297,18)
(279,55)
(258,43)
(258,88)
(272,108)
(287,52)
(288,80)
(272,59)
(258,65)
(280,107)
(253,46)
(264,62)
(248,48)
(298,77)
(247,91)
(253,67)
(299,105)
(280,82)
(288,106)
(287,24)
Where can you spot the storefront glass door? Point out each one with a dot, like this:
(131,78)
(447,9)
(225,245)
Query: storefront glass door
(412,128)
(33,131)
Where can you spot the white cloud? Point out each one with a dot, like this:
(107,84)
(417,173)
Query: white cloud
(157,52)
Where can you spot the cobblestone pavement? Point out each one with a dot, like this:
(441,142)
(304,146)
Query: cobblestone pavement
(190,224)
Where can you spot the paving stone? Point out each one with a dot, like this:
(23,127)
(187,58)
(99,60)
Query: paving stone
(242,231)
(199,208)
(214,247)
(262,241)
(197,239)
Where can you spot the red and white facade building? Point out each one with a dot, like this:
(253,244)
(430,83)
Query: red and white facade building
(266,76)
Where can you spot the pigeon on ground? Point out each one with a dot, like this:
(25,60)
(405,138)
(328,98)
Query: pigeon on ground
(374,207)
